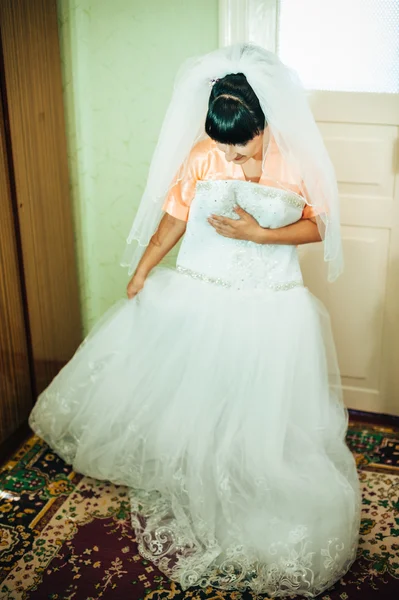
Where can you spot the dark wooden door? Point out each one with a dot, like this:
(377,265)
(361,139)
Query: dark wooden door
(40,308)
(16,385)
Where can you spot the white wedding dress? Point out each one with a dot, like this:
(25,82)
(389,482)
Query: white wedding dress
(215,396)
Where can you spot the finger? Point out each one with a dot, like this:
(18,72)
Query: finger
(225,231)
(227,234)
(243,214)
(217,219)
(217,224)
(224,221)
(221,228)
(239,210)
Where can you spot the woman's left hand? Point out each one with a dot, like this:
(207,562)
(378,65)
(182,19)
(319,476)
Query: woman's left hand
(244,228)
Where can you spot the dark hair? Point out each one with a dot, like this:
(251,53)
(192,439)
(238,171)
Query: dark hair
(234,112)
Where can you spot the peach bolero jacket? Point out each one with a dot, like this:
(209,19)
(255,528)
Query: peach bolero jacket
(207,162)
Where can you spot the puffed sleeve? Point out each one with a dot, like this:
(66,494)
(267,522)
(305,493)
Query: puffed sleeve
(182,192)
(309,212)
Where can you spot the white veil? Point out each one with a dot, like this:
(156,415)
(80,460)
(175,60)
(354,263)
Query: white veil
(285,106)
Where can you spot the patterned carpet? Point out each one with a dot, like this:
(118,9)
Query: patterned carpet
(68,537)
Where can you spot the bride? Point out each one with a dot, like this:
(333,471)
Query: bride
(213,390)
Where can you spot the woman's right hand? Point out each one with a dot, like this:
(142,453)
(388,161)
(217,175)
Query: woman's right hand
(169,232)
(135,285)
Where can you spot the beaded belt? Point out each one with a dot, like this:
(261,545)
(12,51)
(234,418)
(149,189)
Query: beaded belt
(286,285)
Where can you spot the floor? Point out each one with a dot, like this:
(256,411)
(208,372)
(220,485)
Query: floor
(66,536)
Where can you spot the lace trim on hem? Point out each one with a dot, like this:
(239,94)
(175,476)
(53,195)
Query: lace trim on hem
(166,538)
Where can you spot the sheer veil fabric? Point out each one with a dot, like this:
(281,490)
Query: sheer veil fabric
(287,112)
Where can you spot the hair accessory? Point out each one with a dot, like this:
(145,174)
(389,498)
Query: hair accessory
(305,164)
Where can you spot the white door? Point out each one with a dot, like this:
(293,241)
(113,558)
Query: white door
(347,54)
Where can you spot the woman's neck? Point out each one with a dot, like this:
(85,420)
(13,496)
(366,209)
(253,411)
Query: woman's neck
(252,170)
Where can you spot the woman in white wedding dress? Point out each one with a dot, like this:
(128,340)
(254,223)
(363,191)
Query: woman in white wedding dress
(213,391)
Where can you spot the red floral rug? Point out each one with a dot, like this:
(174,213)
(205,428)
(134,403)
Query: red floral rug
(68,537)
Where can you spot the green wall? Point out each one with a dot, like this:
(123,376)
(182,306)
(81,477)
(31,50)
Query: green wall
(119,59)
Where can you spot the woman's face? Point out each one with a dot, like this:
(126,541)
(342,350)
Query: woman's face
(240,154)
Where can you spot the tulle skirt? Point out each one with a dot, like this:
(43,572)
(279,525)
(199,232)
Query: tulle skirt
(222,412)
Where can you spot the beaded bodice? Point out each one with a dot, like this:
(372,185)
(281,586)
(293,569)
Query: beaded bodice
(207,255)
